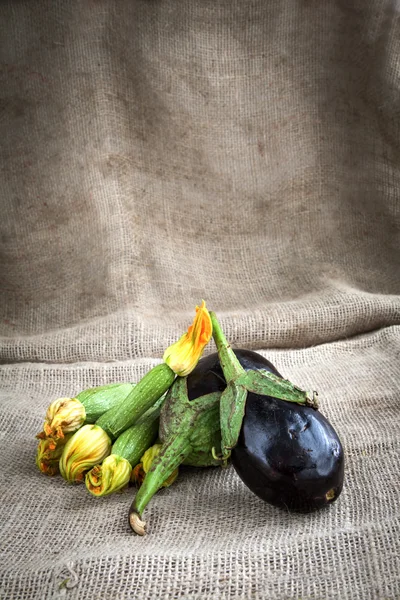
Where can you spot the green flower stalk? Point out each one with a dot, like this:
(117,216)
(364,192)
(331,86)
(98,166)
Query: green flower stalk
(180,358)
(67,415)
(115,471)
(49,453)
(87,447)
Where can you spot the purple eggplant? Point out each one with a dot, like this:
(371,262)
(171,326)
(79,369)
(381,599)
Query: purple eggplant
(208,376)
(287,454)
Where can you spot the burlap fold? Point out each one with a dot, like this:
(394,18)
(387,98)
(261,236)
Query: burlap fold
(157,152)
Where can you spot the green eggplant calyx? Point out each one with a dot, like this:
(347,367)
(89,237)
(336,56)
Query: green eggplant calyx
(171,455)
(188,431)
(269,384)
(312,399)
(232,409)
(231,367)
(239,384)
(145,464)
(222,458)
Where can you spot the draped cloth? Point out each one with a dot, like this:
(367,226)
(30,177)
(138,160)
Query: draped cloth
(157,152)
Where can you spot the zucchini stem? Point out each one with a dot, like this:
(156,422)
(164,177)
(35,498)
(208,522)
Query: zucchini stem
(149,389)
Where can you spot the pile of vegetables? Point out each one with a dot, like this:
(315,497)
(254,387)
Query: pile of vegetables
(230,407)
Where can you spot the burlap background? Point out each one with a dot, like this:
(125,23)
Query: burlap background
(157,152)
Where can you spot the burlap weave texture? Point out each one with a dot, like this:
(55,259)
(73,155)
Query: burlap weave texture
(157,152)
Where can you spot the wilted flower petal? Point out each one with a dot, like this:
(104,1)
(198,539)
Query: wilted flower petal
(183,355)
(111,476)
(49,453)
(64,415)
(86,448)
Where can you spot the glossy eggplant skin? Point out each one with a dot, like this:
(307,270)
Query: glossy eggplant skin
(287,454)
(208,377)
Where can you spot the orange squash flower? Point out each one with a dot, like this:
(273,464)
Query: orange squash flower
(183,355)
(86,448)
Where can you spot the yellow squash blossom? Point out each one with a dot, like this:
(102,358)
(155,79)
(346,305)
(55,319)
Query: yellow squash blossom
(64,415)
(85,449)
(49,453)
(183,355)
(109,477)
